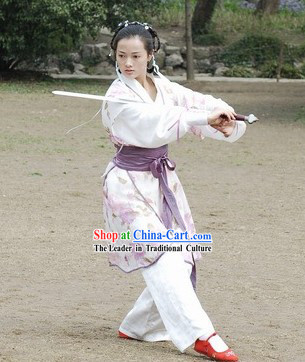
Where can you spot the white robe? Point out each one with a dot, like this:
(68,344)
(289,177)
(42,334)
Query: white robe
(175,112)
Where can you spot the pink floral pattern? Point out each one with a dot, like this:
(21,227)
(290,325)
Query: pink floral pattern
(124,207)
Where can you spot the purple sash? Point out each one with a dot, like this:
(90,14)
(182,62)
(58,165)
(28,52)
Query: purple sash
(132,158)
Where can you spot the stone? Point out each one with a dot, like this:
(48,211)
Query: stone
(215,49)
(103,68)
(95,53)
(184,65)
(53,70)
(178,71)
(198,52)
(160,58)
(169,50)
(78,67)
(174,60)
(40,67)
(220,71)
(79,72)
(201,52)
(23,65)
(110,71)
(163,42)
(75,57)
(183,50)
(87,51)
(52,61)
(218,65)
(169,70)
(204,66)
(36,65)
(106,31)
(101,51)
(66,71)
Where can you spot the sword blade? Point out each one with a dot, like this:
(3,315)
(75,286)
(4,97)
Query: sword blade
(250,119)
(93,96)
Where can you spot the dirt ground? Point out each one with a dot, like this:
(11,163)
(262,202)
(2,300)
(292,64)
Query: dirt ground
(60,301)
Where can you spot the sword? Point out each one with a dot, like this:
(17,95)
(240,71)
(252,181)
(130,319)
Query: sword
(93,96)
(239,117)
(250,119)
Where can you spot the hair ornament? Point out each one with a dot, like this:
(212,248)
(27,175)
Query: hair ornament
(125,23)
(152,66)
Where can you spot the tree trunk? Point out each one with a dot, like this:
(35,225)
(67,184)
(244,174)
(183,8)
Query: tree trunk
(189,42)
(267,7)
(202,16)
(8,64)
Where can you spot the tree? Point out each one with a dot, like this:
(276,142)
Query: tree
(202,16)
(267,7)
(34,28)
(189,42)
(142,10)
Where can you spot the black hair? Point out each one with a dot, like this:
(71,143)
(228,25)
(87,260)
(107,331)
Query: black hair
(144,31)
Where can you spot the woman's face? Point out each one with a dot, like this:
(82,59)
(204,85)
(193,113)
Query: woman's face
(132,57)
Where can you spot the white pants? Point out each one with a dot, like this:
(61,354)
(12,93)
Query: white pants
(168,308)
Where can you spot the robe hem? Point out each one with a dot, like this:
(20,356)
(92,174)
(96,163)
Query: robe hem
(146,266)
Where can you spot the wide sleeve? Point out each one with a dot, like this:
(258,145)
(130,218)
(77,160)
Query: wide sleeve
(147,125)
(208,131)
(191,99)
(195,100)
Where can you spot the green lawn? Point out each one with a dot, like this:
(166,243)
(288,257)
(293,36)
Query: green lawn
(82,86)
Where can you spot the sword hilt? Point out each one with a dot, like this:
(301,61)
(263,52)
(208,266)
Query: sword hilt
(250,119)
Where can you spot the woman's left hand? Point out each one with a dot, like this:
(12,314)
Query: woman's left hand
(226,128)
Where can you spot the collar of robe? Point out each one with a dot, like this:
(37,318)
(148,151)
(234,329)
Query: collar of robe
(137,87)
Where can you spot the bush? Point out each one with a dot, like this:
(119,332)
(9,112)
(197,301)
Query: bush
(252,50)
(209,39)
(288,71)
(35,28)
(302,70)
(239,71)
(269,70)
(300,52)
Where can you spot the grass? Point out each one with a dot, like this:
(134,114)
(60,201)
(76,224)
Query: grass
(49,144)
(233,25)
(26,143)
(300,116)
(172,12)
(233,22)
(47,86)
(10,142)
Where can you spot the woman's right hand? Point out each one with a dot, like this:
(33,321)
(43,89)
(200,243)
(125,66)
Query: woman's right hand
(221,117)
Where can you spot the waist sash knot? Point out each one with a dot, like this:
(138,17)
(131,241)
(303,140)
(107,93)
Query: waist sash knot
(156,160)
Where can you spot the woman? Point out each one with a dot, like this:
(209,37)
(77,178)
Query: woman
(142,190)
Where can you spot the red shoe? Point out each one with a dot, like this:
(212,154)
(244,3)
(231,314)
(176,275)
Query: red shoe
(123,335)
(205,348)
